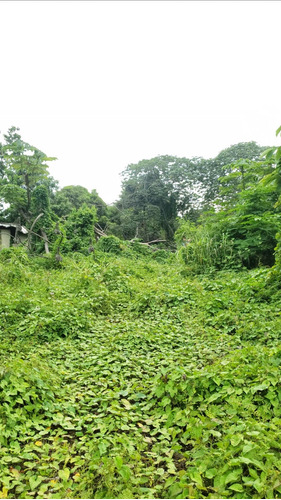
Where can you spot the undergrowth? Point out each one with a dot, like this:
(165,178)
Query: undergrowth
(124,377)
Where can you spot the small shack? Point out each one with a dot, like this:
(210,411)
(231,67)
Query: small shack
(12,235)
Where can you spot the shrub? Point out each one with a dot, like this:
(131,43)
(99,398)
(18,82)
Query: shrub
(204,250)
(109,244)
(14,255)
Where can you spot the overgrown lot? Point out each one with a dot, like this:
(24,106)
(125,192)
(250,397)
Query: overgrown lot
(123,377)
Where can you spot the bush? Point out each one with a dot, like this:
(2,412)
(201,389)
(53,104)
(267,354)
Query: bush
(203,250)
(162,255)
(138,248)
(14,255)
(14,265)
(110,244)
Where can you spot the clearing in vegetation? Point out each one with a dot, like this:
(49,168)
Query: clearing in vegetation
(124,377)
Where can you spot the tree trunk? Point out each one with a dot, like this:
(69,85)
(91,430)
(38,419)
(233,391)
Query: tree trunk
(45,238)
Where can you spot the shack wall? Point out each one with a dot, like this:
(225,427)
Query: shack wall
(5,238)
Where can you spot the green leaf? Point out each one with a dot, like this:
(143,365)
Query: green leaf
(210,473)
(196,477)
(246,460)
(127,404)
(64,474)
(235,440)
(118,462)
(268,153)
(258,485)
(174,491)
(236,487)
(260,387)
(125,472)
(233,476)
(213,397)
(34,481)
(278,154)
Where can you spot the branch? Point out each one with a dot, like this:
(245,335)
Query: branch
(30,231)
(148,243)
(99,232)
(154,241)
(35,220)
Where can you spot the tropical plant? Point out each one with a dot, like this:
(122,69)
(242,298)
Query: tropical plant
(23,168)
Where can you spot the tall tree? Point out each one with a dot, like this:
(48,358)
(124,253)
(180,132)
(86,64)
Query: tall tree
(225,165)
(23,168)
(156,191)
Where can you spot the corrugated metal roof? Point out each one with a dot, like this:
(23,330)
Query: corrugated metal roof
(21,228)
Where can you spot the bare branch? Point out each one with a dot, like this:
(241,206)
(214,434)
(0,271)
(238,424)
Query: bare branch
(30,231)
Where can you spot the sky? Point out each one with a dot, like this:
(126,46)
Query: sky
(103,84)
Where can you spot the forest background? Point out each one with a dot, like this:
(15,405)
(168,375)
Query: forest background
(221,212)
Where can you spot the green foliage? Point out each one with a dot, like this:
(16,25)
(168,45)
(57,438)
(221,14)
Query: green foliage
(14,265)
(235,165)
(79,229)
(24,167)
(41,203)
(109,244)
(239,177)
(14,255)
(123,378)
(27,388)
(155,191)
(161,255)
(123,374)
(242,230)
(205,248)
(255,238)
(228,242)
(71,198)
(138,248)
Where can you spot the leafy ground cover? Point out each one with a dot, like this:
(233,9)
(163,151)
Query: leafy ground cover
(122,377)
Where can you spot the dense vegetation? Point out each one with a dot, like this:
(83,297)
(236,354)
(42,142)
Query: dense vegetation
(123,377)
(158,195)
(131,370)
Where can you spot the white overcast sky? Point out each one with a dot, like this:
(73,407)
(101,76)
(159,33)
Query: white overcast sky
(101,84)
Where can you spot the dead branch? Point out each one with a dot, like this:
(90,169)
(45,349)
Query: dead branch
(148,243)
(99,232)
(154,241)
(30,231)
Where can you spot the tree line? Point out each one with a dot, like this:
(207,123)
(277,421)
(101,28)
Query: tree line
(222,211)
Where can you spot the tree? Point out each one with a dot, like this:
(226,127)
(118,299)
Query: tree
(71,198)
(273,154)
(22,168)
(101,208)
(243,228)
(241,175)
(156,191)
(225,165)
